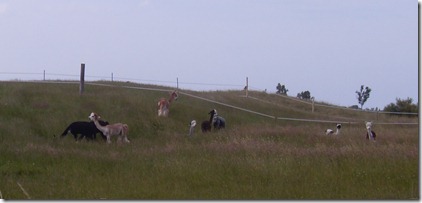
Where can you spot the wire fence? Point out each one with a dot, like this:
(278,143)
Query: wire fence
(44,76)
(112,77)
(273,117)
(255,112)
(346,108)
(73,78)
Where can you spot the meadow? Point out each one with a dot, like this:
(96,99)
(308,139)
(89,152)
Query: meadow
(254,158)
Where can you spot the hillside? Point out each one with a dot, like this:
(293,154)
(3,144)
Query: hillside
(255,157)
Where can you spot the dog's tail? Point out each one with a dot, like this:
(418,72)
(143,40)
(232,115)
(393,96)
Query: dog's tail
(66,131)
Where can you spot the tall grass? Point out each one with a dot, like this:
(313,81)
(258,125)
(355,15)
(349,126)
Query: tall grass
(254,158)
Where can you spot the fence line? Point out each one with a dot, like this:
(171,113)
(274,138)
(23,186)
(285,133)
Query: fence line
(24,191)
(228,105)
(217,102)
(317,120)
(346,108)
(113,78)
(305,120)
(130,87)
(248,110)
(187,94)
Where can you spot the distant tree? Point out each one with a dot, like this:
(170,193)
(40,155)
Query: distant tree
(354,107)
(304,95)
(372,109)
(363,95)
(281,89)
(404,105)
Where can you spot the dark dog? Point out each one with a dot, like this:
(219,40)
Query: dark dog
(85,129)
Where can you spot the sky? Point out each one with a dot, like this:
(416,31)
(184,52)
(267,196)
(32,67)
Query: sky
(327,47)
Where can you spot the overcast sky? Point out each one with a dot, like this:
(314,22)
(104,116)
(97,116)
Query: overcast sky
(328,47)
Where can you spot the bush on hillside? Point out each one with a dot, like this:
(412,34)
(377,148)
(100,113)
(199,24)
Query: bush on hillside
(402,105)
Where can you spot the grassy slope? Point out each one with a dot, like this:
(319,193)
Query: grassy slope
(254,158)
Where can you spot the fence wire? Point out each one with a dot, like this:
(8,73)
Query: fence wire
(112,78)
(248,110)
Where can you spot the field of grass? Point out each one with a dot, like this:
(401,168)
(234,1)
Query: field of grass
(253,158)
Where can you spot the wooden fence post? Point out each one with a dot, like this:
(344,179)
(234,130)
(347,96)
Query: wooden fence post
(247,86)
(82,82)
(313,104)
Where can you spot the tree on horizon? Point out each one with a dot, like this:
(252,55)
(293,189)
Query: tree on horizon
(363,95)
(281,89)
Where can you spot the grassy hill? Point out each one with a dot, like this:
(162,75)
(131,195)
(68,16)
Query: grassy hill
(255,157)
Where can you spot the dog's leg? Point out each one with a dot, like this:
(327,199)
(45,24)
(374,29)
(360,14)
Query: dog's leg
(81,137)
(75,136)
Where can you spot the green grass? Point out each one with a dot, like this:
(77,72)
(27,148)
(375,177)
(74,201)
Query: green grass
(254,158)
